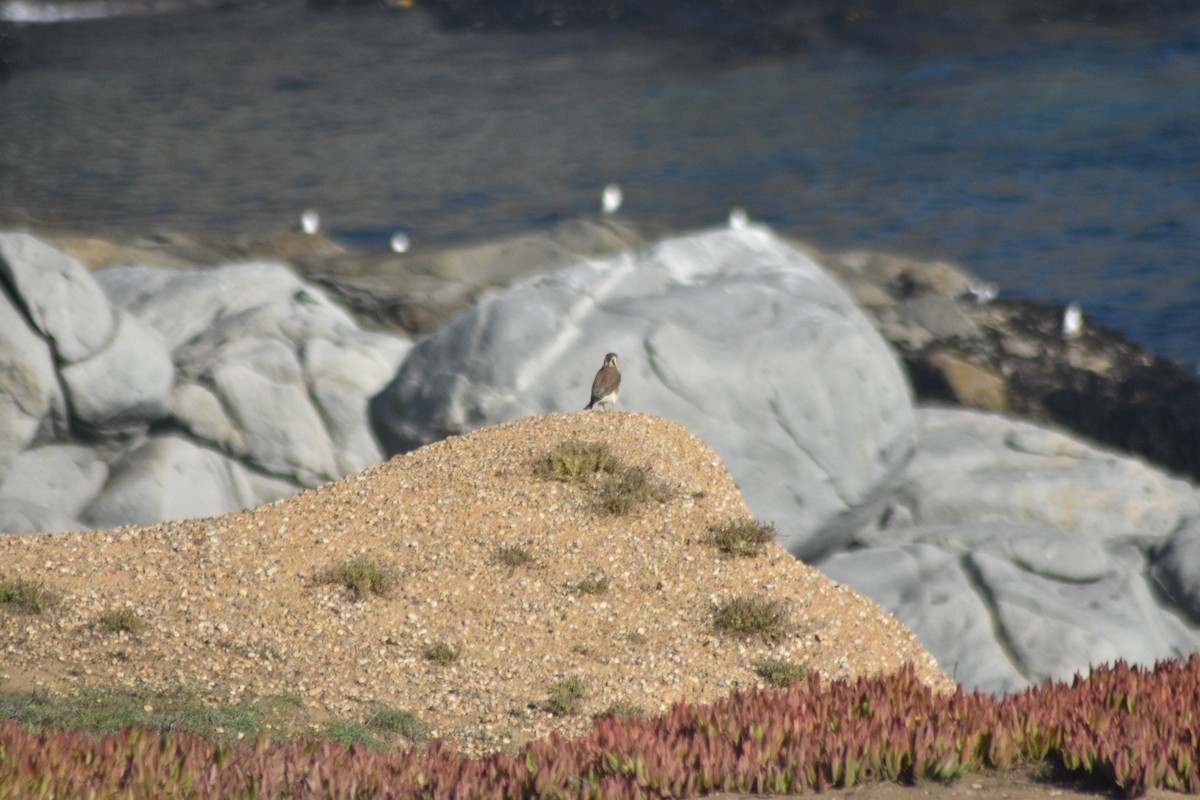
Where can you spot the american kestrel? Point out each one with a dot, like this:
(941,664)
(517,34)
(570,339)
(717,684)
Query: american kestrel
(607,385)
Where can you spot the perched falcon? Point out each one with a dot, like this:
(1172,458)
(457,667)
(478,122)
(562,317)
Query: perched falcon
(607,385)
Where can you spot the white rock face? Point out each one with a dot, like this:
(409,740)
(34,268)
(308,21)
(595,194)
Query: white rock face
(169,477)
(264,382)
(49,487)
(59,295)
(733,333)
(29,390)
(125,385)
(270,372)
(1017,553)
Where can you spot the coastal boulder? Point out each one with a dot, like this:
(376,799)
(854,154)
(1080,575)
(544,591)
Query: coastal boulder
(48,488)
(734,333)
(60,297)
(1018,553)
(269,371)
(125,386)
(29,390)
(169,477)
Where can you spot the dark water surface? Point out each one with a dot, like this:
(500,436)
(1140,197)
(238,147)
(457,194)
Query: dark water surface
(1065,170)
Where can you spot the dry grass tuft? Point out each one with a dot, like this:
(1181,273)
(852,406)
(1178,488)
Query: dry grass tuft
(751,616)
(362,576)
(743,538)
(29,597)
(576,461)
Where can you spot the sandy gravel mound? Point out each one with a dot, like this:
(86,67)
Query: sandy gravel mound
(231,607)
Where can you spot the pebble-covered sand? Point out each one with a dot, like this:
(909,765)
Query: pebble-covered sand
(231,607)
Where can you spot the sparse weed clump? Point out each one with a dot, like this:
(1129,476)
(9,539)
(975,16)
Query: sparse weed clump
(621,488)
(108,709)
(743,538)
(362,576)
(622,709)
(441,654)
(566,697)
(29,597)
(577,461)
(779,671)
(513,556)
(628,489)
(392,722)
(125,620)
(751,616)
(594,585)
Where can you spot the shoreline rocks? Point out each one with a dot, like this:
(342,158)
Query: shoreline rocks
(1017,551)
(196,392)
(738,336)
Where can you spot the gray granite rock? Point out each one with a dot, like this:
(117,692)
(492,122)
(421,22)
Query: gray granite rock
(244,359)
(929,590)
(49,487)
(1176,568)
(974,467)
(125,386)
(169,477)
(735,334)
(1056,628)
(269,371)
(29,390)
(59,295)
(1017,553)
(264,390)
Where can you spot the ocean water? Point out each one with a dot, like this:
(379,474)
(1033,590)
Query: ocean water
(1060,170)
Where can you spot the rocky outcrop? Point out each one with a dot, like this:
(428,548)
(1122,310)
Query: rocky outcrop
(1018,553)
(1017,550)
(741,337)
(1012,355)
(139,394)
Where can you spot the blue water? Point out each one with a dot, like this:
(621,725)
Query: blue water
(1061,171)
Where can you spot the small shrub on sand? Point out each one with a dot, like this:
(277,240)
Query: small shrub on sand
(751,616)
(576,461)
(30,597)
(513,556)
(742,538)
(779,671)
(393,722)
(125,620)
(628,489)
(362,576)
(441,653)
(566,697)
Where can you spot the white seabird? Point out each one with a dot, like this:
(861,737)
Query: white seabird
(1072,323)
(611,199)
(310,221)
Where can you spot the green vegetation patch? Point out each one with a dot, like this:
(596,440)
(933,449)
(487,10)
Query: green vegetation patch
(441,653)
(595,585)
(628,489)
(29,597)
(743,538)
(101,709)
(362,576)
(622,709)
(124,620)
(779,671)
(392,722)
(751,616)
(566,697)
(513,556)
(574,461)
